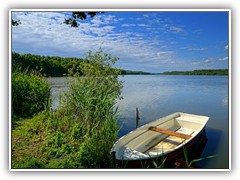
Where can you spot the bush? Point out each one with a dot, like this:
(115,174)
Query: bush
(30,94)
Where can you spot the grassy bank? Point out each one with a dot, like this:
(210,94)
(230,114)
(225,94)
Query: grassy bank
(81,133)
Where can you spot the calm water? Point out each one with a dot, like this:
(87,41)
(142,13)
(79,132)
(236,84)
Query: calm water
(158,96)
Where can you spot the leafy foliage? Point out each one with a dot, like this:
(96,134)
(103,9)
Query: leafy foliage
(16,22)
(73,21)
(91,100)
(46,65)
(30,94)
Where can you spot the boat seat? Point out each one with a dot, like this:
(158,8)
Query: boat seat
(170,133)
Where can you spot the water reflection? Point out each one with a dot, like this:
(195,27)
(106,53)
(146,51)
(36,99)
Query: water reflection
(225,101)
(212,149)
(145,97)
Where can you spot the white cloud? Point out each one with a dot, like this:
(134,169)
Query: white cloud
(226,47)
(164,53)
(223,59)
(143,25)
(128,25)
(207,60)
(103,20)
(176,29)
(190,48)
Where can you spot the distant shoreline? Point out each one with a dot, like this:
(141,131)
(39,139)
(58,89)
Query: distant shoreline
(209,72)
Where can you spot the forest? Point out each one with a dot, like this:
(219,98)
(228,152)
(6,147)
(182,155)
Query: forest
(52,66)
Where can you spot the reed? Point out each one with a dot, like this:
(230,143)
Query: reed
(190,162)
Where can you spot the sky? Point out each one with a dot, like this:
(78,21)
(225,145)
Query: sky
(151,41)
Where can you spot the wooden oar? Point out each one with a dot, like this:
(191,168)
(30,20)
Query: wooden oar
(170,133)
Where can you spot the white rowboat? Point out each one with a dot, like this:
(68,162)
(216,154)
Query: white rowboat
(164,137)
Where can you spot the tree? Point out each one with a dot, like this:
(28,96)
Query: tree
(79,15)
(16,22)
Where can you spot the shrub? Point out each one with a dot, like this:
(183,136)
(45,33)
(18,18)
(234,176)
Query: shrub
(30,94)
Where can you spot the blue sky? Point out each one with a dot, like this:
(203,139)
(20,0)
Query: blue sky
(151,41)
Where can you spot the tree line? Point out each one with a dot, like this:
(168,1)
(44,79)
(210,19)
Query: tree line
(199,72)
(54,66)
(129,72)
(49,66)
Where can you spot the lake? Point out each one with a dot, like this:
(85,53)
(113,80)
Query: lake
(156,96)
